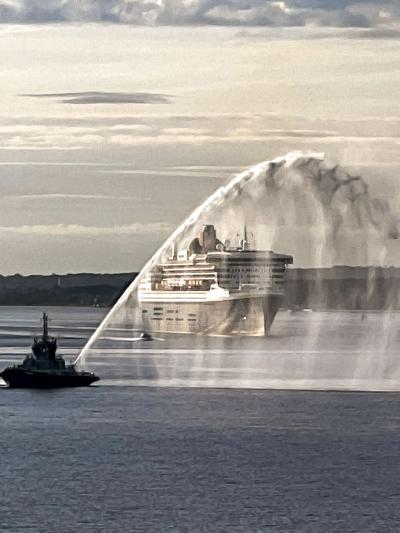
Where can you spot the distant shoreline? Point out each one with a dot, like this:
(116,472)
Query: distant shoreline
(339,287)
(93,290)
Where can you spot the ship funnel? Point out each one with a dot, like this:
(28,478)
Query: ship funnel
(208,238)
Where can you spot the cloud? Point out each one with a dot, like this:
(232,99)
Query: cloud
(301,33)
(67,230)
(65,196)
(198,130)
(97,97)
(374,33)
(328,13)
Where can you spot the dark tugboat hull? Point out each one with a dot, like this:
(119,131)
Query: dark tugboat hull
(31,379)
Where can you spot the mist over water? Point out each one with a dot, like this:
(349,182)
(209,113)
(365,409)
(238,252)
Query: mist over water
(297,205)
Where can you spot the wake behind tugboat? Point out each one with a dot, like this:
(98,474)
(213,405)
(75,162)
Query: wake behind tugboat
(43,369)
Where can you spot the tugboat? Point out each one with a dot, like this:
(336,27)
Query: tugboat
(43,369)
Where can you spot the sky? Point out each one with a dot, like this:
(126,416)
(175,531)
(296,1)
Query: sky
(117,118)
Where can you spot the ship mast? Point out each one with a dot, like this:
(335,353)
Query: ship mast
(245,241)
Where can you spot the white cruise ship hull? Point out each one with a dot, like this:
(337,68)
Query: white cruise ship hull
(251,316)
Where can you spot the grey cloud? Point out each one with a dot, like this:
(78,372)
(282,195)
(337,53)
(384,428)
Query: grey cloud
(80,230)
(305,134)
(278,13)
(375,33)
(269,34)
(94,97)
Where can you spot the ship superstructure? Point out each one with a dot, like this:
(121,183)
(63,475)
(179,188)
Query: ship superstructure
(214,288)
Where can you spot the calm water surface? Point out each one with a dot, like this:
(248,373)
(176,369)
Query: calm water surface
(119,458)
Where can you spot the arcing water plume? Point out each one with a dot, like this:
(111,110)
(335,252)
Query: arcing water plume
(295,204)
(320,214)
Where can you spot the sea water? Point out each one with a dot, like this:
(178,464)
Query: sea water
(121,458)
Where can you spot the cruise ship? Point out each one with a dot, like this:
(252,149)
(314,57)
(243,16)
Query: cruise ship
(214,289)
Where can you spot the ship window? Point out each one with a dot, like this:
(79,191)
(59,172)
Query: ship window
(178,319)
(144,311)
(170,319)
(170,311)
(192,314)
(158,308)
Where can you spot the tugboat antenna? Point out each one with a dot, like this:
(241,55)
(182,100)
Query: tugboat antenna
(45,326)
